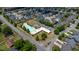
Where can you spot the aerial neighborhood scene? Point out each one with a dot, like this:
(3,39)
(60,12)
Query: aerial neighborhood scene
(39,29)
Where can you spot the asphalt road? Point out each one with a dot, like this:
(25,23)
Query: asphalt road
(23,35)
(49,47)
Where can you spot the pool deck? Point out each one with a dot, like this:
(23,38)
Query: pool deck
(33,31)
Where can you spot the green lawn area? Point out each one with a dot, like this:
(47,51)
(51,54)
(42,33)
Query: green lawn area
(3,47)
(1,37)
(3,26)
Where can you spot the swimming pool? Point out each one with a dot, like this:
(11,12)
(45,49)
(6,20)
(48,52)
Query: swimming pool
(31,29)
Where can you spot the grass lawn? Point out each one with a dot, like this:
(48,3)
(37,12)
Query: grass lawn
(1,37)
(3,47)
(3,26)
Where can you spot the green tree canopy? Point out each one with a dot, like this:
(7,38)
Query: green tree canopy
(59,29)
(5,28)
(55,48)
(37,38)
(24,45)
(18,44)
(44,36)
(0,22)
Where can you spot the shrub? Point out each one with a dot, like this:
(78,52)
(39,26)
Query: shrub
(77,27)
(46,22)
(55,48)
(37,38)
(61,37)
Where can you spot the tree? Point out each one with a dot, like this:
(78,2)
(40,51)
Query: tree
(77,27)
(0,29)
(46,22)
(50,24)
(77,17)
(7,17)
(44,36)
(78,24)
(61,37)
(0,22)
(56,31)
(27,30)
(7,29)
(18,44)
(24,28)
(34,48)
(55,48)
(37,38)
(24,45)
(59,29)
(28,46)
(0,11)
(15,24)
(11,21)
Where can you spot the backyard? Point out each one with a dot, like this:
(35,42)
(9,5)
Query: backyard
(3,46)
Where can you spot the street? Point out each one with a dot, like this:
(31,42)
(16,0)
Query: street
(22,35)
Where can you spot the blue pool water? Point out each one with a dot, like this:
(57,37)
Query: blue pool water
(31,29)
